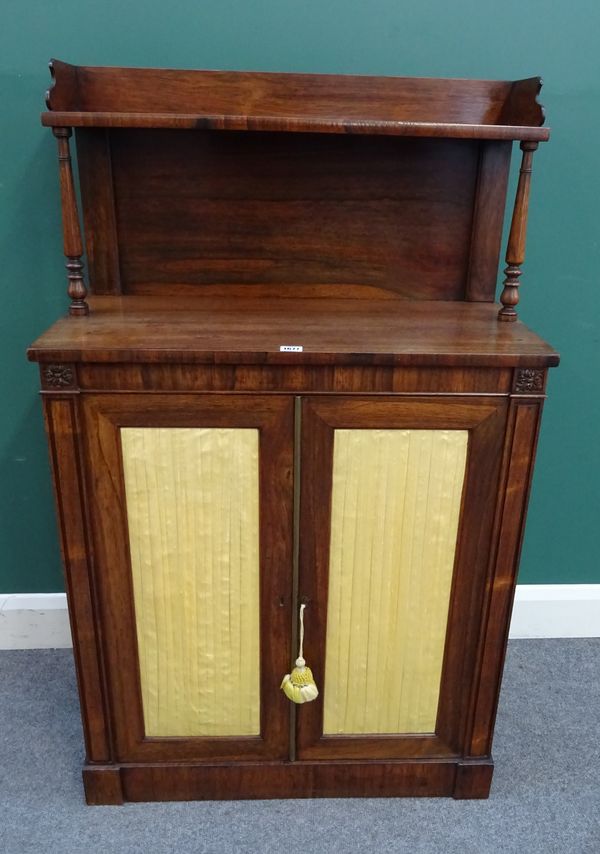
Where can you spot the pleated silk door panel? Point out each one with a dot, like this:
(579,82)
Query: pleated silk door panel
(397,503)
(192,521)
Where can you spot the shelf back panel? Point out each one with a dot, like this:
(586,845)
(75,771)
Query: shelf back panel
(281,214)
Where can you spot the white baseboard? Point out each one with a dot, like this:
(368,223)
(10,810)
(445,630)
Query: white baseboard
(556,611)
(34,621)
(41,621)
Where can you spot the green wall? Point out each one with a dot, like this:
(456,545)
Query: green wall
(465,38)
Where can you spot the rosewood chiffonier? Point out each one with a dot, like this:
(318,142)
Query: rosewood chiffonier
(284,381)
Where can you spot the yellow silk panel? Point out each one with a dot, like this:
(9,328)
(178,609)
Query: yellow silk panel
(192,507)
(395,510)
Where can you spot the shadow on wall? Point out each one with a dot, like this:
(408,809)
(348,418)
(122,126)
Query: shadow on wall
(32,297)
(28,536)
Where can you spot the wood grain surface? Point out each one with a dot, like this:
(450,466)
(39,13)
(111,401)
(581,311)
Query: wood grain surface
(327,103)
(251,331)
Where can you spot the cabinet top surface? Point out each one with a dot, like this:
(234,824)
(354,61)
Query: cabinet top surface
(86,96)
(330,331)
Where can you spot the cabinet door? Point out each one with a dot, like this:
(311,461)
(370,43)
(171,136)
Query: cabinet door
(191,512)
(397,504)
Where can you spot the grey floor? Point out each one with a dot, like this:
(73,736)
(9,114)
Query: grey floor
(545,796)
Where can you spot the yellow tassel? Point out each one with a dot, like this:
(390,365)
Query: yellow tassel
(299,685)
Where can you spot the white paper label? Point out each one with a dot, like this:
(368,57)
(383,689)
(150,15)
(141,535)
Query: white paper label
(290,348)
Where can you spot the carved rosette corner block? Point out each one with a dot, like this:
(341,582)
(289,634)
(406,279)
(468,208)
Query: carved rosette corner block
(58,377)
(529,381)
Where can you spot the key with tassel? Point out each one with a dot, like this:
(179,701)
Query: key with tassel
(299,685)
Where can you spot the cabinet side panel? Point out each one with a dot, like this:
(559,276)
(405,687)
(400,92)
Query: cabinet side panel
(98,209)
(192,508)
(488,217)
(519,457)
(396,502)
(63,439)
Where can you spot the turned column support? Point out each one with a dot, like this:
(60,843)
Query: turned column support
(73,246)
(515,252)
